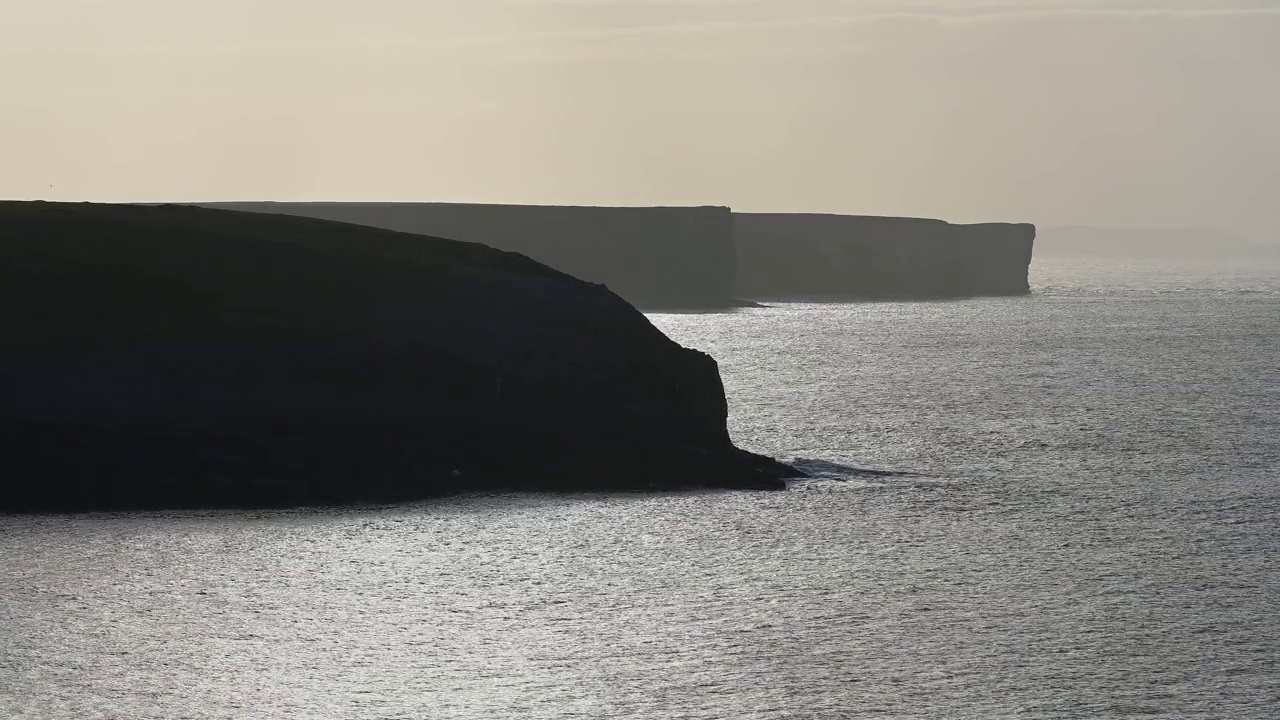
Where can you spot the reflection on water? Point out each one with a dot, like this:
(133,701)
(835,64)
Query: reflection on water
(1055,506)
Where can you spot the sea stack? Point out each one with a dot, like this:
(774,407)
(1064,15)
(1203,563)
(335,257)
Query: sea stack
(656,258)
(844,257)
(176,356)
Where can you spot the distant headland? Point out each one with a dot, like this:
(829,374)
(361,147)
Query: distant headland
(845,257)
(706,258)
(655,258)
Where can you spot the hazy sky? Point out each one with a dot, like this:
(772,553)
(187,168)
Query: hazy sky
(1134,113)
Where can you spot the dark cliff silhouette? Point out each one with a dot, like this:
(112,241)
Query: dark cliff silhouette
(706,257)
(176,356)
(797,256)
(655,258)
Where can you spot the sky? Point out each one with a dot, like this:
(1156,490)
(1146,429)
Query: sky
(1156,113)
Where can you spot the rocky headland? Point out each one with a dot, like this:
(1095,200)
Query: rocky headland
(709,258)
(844,257)
(175,356)
(656,258)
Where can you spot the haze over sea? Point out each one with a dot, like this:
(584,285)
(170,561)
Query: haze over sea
(1057,506)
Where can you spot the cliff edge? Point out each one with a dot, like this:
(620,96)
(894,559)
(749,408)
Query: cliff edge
(797,256)
(176,356)
(656,258)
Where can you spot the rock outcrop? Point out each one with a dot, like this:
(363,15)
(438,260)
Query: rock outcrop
(656,258)
(176,356)
(795,256)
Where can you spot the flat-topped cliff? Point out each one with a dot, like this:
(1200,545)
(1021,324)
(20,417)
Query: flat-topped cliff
(655,257)
(176,356)
(797,256)
(706,257)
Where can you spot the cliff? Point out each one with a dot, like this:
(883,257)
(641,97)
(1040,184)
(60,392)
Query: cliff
(182,357)
(796,256)
(705,257)
(655,258)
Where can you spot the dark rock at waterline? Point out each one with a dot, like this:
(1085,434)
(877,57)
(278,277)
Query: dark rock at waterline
(176,356)
(844,257)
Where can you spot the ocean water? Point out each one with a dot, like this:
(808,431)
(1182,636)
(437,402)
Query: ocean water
(1058,506)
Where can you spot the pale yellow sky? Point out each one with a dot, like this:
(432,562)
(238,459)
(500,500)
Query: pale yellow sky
(1132,113)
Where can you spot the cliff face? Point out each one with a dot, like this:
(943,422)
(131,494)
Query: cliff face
(655,258)
(702,258)
(177,356)
(783,256)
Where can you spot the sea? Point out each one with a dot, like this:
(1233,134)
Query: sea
(1065,505)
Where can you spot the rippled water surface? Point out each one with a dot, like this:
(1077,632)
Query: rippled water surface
(1057,506)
